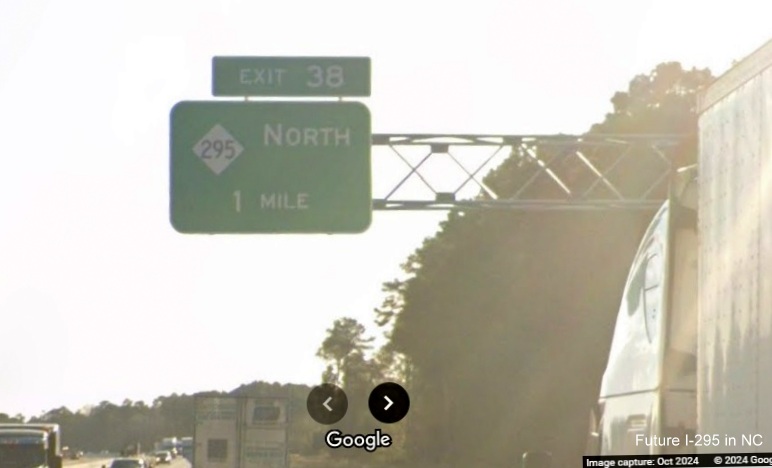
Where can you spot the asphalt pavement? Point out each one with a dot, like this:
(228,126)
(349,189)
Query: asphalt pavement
(178,462)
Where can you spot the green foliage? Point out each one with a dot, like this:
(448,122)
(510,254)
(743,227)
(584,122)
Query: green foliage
(506,318)
(344,349)
(664,101)
(4,418)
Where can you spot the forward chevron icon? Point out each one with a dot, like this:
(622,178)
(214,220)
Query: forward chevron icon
(390,403)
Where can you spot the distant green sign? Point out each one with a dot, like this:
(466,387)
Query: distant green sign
(291,76)
(270,167)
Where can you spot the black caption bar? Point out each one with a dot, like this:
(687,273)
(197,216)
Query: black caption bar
(693,460)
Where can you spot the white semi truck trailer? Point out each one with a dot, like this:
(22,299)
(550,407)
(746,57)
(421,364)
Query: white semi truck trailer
(690,365)
(240,432)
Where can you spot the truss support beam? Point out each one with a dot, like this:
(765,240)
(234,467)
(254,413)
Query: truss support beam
(548,164)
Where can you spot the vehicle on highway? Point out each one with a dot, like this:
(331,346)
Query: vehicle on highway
(228,442)
(690,367)
(129,463)
(30,445)
(163,456)
(170,444)
(131,450)
(186,448)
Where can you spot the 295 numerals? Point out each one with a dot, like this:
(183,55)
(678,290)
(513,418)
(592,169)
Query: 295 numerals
(215,149)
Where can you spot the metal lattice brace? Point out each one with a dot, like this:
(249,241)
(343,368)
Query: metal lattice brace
(560,172)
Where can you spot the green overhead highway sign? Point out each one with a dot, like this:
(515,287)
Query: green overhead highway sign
(270,167)
(291,76)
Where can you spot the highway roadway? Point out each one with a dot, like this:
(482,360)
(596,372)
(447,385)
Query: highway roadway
(87,462)
(178,462)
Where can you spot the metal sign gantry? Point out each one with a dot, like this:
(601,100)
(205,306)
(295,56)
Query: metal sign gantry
(578,172)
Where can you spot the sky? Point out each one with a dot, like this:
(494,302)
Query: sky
(101,299)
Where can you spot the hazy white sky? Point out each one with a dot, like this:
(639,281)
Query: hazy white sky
(100,299)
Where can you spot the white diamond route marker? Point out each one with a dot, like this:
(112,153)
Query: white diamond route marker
(218,149)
